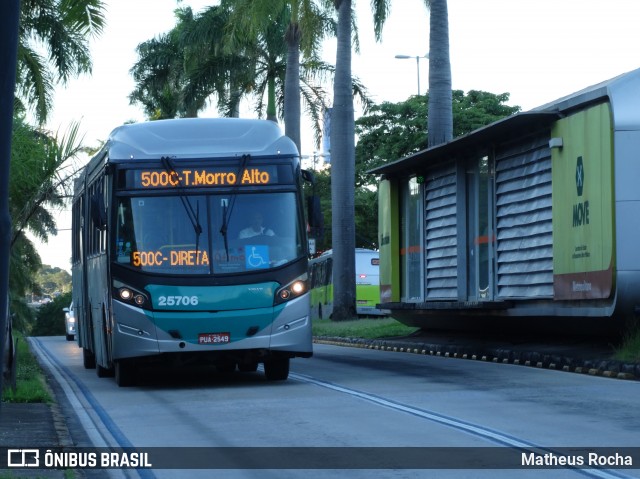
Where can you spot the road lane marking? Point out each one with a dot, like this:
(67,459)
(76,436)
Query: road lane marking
(67,379)
(483,432)
(75,390)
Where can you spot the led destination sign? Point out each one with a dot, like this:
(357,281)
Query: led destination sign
(170,258)
(199,177)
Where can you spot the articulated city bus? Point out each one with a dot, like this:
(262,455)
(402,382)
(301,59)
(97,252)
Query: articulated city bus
(189,244)
(367,284)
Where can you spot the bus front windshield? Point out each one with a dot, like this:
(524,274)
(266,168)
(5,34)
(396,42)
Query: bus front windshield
(212,234)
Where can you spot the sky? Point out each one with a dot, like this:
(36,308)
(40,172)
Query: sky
(535,50)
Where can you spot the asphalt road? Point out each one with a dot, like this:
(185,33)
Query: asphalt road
(349,408)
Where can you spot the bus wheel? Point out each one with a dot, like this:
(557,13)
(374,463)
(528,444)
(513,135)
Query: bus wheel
(103,372)
(126,373)
(88,359)
(276,369)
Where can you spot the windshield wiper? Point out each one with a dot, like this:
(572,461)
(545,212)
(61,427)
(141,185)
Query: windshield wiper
(223,228)
(194,216)
(228,208)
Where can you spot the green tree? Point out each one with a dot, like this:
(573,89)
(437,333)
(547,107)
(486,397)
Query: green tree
(322,188)
(365,202)
(62,29)
(177,72)
(366,218)
(53,46)
(53,280)
(391,131)
(40,179)
(213,55)
(23,265)
(157,74)
(50,317)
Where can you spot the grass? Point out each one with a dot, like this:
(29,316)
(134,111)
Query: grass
(629,351)
(30,383)
(30,388)
(366,328)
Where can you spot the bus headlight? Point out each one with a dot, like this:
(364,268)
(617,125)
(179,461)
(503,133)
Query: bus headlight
(129,295)
(295,288)
(125,294)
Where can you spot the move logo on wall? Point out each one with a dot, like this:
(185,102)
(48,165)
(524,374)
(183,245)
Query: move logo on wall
(581,209)
(579,176)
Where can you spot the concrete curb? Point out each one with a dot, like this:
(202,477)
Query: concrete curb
(595,367)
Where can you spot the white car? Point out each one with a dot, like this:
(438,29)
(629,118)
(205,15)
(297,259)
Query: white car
(69,322)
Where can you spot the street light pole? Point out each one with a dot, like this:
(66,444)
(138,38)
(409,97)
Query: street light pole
(417,57)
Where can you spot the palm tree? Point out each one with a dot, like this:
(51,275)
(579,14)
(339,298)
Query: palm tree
(309,22)
(273,54)
(343,172)
(440,116)
(212,55)
(247,62)
(63,29)
(40,177)
(174,77)
(440,128)
(158,78)
(9,19)
(211,69)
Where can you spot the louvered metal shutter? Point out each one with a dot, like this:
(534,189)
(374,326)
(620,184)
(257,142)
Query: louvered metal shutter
(523,220)
(440,231)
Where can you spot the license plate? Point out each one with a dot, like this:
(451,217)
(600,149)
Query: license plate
(214,338)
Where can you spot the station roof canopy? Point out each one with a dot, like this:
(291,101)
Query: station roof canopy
(480,141)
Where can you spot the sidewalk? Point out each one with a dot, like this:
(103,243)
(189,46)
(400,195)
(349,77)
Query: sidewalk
(37,425)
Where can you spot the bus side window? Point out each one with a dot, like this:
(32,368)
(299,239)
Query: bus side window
(312,275)
(320,279)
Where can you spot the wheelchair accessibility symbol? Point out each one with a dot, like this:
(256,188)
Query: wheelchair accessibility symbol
(256,256)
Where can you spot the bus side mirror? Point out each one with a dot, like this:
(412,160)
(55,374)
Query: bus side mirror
(309,177)
(314,213)
(98,212)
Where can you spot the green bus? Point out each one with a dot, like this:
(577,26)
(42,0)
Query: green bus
(367,284)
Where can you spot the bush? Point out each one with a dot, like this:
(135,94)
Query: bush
(50,317)
(23,316)
(629,350)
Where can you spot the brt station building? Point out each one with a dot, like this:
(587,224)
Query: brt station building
(534,216)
